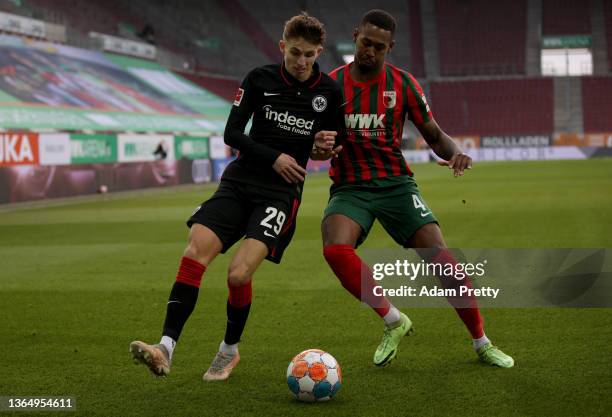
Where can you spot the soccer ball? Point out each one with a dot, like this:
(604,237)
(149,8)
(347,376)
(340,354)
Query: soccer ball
(314,375)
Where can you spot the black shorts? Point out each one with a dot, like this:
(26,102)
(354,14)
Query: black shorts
(237,210)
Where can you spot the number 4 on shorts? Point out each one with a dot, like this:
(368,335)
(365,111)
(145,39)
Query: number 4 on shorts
(419,205)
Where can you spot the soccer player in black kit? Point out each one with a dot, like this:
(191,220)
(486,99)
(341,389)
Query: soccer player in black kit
(296,113)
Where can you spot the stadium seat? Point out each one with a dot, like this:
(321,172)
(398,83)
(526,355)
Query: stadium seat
(478,39)
(596,93)
(494,107)
(608,24)
(565,17)
(223,87)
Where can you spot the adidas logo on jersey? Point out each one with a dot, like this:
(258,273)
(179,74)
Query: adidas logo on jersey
(287,119)
(364,121)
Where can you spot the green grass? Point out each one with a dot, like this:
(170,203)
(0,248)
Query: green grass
(79,281)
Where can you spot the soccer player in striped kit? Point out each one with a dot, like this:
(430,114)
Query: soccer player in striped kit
(371,180)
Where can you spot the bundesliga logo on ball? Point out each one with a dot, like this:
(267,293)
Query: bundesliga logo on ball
(314,375)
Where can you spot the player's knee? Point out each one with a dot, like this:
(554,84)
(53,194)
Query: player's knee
(428,236)
(194,252)
(339,230)
(239,274)
(331,240)
(203,244)
(202,248)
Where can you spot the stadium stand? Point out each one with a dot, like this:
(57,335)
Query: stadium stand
(206,37)
(596,99)
(222,86)
(208,33)
(494,107)
(565,17)
(475,38)
(272,14)
(251,28)
(11,7)
(229,37)
(607,4)
(417,59)
(74,104)
(81,15)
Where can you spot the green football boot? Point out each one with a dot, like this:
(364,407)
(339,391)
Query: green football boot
(491,355)
(387,350)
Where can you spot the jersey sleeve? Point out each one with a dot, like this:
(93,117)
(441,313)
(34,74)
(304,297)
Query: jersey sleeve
(418,109)
(242,109)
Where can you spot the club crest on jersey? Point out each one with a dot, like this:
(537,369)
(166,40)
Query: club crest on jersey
(389,98)
(238,98)
(319,103)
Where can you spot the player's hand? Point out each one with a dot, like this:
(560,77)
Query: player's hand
(321,155)
(458,163)
(289,169)
(325,139)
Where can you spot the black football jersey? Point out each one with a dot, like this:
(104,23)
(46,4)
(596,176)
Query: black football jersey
(286,115)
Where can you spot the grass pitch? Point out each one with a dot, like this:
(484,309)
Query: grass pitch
(79,281)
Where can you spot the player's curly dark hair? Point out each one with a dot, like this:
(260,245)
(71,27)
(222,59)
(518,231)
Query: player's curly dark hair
(379,18)
(305,26)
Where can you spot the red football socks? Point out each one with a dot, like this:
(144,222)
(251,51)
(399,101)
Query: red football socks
(190,272)
(183,297)
(240,296)
(355,276)
(238,307)
(465,306)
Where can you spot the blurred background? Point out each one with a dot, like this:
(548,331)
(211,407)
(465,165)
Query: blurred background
(99,96)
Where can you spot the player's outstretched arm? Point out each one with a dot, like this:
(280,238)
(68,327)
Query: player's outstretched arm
(442,144)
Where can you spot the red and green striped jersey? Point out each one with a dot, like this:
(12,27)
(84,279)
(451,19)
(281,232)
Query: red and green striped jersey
(374,114)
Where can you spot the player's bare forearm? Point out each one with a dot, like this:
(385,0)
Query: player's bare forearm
(439,141)
(442,144)
(445,147)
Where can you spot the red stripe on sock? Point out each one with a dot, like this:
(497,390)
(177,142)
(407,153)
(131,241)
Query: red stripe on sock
(465,306)
(190,272)
(355,276)
(241,295)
